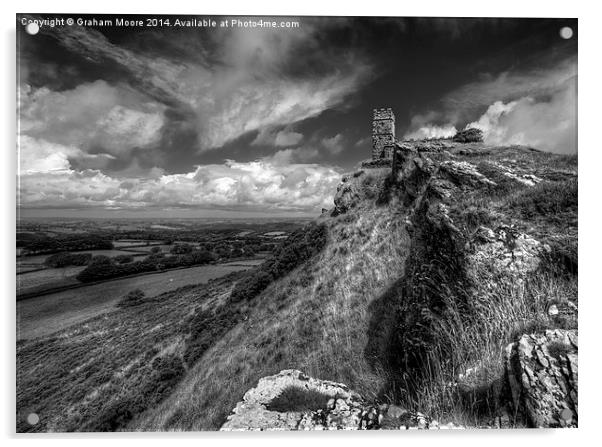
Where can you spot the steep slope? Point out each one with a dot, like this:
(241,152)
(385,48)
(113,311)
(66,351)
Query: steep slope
(316,319)
(429,270)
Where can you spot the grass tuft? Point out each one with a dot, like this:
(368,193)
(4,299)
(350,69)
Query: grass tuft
(295,398)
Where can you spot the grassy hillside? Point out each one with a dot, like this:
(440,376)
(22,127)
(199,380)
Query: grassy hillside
(383,307)
(317,319)
(97,375)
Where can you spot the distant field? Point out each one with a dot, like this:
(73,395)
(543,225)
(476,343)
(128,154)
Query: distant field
(275,233)
(132,243)
(24,268)
(39,259)
(148,248)
(35,259)
(109,253)
(49,313)
(246,262)
(50,277)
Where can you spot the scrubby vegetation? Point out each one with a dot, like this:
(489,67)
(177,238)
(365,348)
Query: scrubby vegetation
(471,135)
(59,260)
(298,248)
(132,298)
(102,374)
(40,243)
(103,267)
(123,259)
(455,316)
(294,398)
(206,327)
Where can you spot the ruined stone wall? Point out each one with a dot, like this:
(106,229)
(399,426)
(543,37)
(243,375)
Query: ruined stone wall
(383,133)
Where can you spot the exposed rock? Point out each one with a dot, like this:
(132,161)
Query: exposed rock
(356,188)
(341,409)
(379,163)
(433,145)
(506,251)
(344,409)
(464,173)
(516,175)
(542,376)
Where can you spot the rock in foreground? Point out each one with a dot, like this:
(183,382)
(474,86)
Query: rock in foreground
(542,374)
(290,400)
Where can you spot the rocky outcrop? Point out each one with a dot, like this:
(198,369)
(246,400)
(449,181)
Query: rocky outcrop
(506,251)
(542,377)
(357,188)
(290,400)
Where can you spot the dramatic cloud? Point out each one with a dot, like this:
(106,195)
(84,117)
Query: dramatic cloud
(431,131)
(421,126)
(260,185)
(93,115)
(297,155)
(248,84)
(548,124)
(140,119)
(282,138)
(41,156)
(536,107)
(547,78)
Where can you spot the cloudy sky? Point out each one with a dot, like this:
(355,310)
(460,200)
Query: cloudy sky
(237,122)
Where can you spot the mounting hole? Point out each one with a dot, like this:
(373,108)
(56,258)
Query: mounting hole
(33,418)
(32,28)
(566,32)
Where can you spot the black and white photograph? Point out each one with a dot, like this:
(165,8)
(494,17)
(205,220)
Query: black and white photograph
(290,223)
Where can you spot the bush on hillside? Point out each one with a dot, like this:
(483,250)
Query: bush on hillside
(298,248)
(206,327)
(60,260)
(132,298)
(160,379)
(123,259)
(471,135)
(47,244)
(102,267)
(181,249)
(295,398)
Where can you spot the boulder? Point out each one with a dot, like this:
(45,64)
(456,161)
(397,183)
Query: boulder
(542,377)
(339,409)
(290,400)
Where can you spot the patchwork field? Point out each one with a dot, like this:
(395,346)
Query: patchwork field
(132,243)
(47,277)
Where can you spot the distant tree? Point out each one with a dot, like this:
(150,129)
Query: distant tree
(181,249)
(123,259)
(298,248)
(156,250)
(60,260)
(99,267)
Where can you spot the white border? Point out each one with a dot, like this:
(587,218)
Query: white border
(589,194)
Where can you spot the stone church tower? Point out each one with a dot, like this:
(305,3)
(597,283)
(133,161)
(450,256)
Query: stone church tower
(383,133)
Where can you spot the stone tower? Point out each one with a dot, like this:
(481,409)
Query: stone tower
(383,133)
